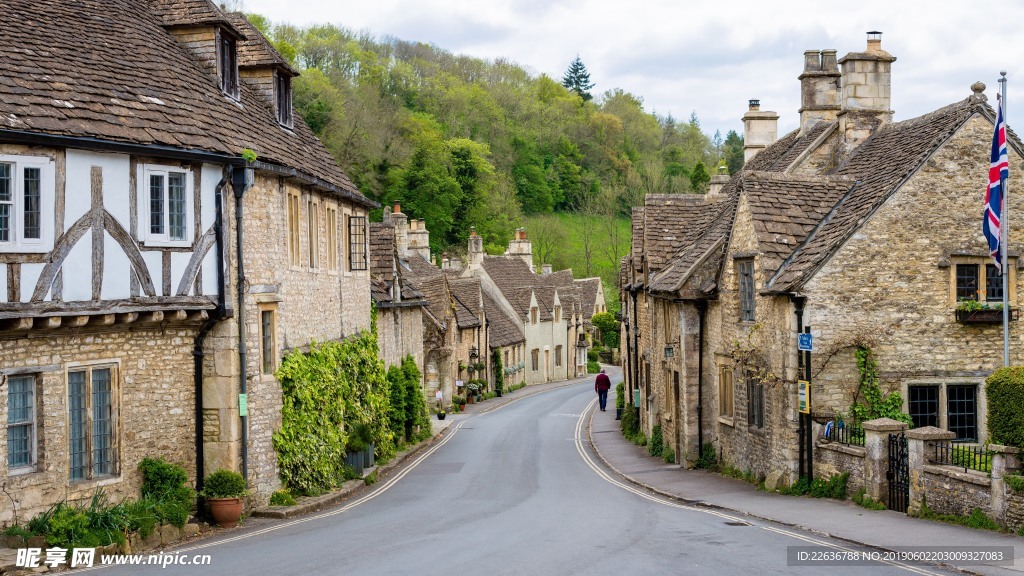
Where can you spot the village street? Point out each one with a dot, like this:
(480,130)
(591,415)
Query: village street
(517,490)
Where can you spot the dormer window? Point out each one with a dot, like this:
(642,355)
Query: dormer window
(227,64)
(283,98)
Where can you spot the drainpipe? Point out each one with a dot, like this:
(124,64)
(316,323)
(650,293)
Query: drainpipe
(240,182)
(702,308)
(219,314)
(636,345)
(798,304)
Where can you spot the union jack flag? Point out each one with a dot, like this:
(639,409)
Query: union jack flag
(999,170)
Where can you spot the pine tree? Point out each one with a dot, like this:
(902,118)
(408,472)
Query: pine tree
(577,79)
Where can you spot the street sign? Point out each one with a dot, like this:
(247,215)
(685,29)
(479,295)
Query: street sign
(805,342)
(804,396)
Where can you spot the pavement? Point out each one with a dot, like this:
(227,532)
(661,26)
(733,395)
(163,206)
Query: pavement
(881,529)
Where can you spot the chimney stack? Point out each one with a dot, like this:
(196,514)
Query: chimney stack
(520,246)
(418,239)
(819,89)
(475,254)
(401,223)
(866,93)
(760,129)
(545,269)
(718,181)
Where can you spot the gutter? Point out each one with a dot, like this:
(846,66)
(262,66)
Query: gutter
(57,141)
(219,313)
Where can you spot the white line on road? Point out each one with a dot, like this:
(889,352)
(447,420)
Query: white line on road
(666,502)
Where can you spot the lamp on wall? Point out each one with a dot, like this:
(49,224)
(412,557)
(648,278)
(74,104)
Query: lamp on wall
(670,349)
(474,352)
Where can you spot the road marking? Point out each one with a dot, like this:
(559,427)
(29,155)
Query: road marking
(672,504)
(383,487)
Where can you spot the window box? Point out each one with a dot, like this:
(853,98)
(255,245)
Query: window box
(985,316)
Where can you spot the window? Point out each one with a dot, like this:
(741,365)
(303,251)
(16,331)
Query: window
(356,243)
(535,359)
(313,231)
(91,422)
(558,355)
(227,60)
(967,282)
(977,278)
(993,283)
(755,401)
(26,203)
(165,203)
(725,396)
(283,98)
(923,405)
(962,412)
(294,251)
(268,340)
(533,315)
(745,271)
(332,239)
(21,422)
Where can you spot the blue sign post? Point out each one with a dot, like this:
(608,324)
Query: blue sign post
(805,342)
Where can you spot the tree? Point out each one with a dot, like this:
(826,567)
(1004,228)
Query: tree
(699,179)
(733,151)
(577,79)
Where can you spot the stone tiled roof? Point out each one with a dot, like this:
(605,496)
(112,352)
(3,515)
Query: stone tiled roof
(780,158)
(382,251)
(190,13)
(785,208)
(880,165)
(255,51)
(701,245)
(502,330)
(508,272)
(588,295)
(670,223)
(109,70)
(468,303)
(433,285)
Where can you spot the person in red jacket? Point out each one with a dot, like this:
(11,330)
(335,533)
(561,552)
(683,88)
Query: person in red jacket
(601,385)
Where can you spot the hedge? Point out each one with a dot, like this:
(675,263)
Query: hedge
(1005,392)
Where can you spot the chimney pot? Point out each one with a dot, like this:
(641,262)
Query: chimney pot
(398,208)
(755,104)
(472,230)
(874,41)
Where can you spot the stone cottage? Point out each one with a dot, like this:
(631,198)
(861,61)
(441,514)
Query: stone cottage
(134,235)
(865,230)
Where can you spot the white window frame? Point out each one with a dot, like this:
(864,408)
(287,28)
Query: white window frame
(33,425)
(149,238)
(17,242)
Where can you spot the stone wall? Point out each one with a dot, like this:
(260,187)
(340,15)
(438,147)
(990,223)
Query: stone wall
(400,333)
(950,490)
(154,401)
(831,459)
(1014,510)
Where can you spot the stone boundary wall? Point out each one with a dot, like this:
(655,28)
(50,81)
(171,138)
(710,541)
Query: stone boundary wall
(950,490)
(833,458)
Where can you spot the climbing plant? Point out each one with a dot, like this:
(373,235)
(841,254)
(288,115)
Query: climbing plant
(328,393)
(408,416)
(875,404)
(499,372)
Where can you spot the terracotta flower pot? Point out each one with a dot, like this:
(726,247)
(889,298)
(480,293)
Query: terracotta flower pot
(226,512)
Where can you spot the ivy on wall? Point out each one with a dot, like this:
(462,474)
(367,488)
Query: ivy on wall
(330,392)
(875,404)
(408,417)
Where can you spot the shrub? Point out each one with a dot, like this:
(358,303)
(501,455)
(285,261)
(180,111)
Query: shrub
(862,499)
(1015,482)
(593,355)
(668,454)
(163,486)
(620,395)
(1005,391)
(224,484)
(630,423)
(654,446)
(609,327)
(593,367)
(282,498)
(708,458)
(499,370)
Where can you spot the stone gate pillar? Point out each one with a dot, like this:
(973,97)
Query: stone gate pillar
(920,445)
(876,455)
(1005,460)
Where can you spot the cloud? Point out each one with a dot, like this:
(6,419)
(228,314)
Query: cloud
(703,56)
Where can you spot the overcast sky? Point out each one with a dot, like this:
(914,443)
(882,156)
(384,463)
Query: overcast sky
(707,57)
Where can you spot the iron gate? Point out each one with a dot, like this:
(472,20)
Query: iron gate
(898,474)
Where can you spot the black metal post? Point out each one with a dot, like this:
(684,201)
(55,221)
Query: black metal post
(798,302)
(809,427)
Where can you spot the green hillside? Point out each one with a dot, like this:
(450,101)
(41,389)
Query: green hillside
(463,142)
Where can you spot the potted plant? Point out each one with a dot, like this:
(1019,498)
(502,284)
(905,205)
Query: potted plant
(225,491)
(441,414)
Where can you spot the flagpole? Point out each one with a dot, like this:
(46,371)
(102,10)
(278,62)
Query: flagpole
(1005,233)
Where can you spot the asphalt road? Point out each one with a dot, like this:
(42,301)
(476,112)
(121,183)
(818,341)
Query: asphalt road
(513,491)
